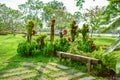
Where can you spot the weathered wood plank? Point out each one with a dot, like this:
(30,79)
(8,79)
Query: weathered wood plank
(89,60)
(78,57)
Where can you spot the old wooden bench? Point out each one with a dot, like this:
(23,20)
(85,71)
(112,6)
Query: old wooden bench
(89,60)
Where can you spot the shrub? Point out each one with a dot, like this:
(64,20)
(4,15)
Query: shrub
(86,46)
(48,49)
(108,62)
(73,30)
(40,40)
(27,49)
(62,45)
(30,27)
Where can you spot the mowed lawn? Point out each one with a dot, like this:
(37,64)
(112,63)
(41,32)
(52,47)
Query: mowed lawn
(8,46)
(8,50)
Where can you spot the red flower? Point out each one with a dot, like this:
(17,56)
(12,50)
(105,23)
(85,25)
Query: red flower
(64,32)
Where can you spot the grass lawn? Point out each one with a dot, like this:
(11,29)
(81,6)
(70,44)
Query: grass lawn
(9,43)
(10,59)
(105,40)
(8,52)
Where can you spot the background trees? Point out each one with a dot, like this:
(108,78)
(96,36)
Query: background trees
(10,19)
(32,9)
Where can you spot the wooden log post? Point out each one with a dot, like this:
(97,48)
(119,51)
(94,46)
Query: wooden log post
(52,30)
(89,65)
(60,57)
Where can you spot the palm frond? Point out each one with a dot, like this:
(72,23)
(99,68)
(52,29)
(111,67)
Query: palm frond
(112,47)
(113,25)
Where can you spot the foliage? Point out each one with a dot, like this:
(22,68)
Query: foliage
(78,16)
(73,30)
(27,49)
(40,40)
(85,46)
(109,62)
(32,9)
(79,3)
(110,17)
(30,27)
(112,10)
(84,31)
(10,19)
(112,47)
(48,49)
(115,23)
(50,8)
(62,45)
(118,65)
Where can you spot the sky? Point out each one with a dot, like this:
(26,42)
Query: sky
(70,4)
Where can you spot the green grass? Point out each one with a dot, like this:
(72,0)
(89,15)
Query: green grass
(8,52)
(9,43)
(10,59)
(104,40)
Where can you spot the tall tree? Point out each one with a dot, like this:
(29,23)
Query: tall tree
(51,10)
(10,19)
(32,9)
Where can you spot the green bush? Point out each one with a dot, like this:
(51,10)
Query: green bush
(62,45)
(108,62)
(27,49)
(41,40)
(85,46)
(48,49)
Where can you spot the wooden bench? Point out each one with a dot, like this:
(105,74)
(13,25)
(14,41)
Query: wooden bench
(89,60)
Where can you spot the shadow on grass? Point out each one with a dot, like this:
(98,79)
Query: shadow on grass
(17,61)
(9,59)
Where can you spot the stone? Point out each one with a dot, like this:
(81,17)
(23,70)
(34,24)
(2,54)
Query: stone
(59,66)
(87,78)
(42,78)
(50,67)
(12,70)
(43,70)
(15,73)
(62,73)
(23,77)
(70,76)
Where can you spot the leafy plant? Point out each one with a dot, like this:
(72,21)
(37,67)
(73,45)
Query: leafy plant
(73,30)
(62,45)
(108,62)
(40,40)
(85,46)
(48,49)
(112,47)
(84,32)
(30,27)
(27,49)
